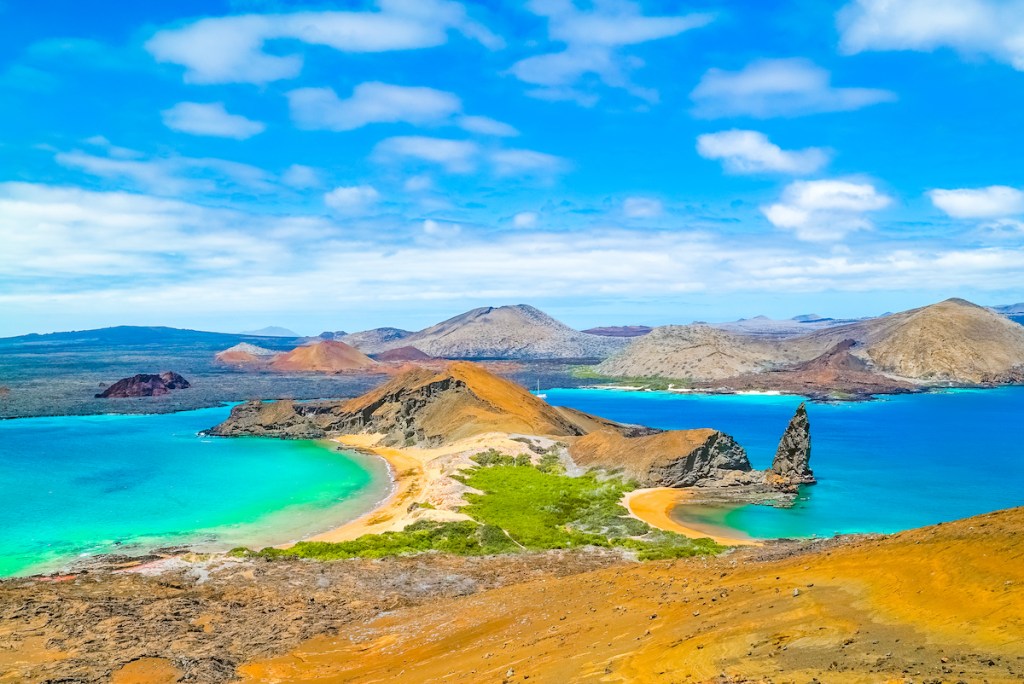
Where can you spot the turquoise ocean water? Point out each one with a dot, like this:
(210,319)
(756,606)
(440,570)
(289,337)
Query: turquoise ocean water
(882,466)
(128,483)
(93,484)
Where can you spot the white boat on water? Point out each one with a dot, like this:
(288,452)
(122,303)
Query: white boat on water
(538,393)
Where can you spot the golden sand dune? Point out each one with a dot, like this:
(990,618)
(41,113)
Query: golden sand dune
(942,604)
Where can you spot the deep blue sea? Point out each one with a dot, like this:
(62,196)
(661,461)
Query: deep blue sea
(80,485)
(882,466)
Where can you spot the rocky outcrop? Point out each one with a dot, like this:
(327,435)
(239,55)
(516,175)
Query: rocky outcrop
(792,464)
(673,458)
(144,385)
(281,419)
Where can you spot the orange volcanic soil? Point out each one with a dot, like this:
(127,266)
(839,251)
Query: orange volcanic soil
(328,356)
(485,403)
(940,604)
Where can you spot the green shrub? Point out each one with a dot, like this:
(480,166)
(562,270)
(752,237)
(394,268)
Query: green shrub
(520,507)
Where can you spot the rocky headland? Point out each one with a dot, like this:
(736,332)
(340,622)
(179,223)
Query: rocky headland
(431,408)
(145,385)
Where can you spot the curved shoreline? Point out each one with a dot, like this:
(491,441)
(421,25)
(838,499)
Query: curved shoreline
(407,480)
(654,507)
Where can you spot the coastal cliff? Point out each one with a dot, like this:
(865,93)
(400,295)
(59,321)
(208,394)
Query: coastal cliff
(674,458)
(420,406)
(430,408)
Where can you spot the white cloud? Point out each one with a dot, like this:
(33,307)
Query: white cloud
(527,162)
(321,108)
(301,177)
(464,156)
(973,27)
(525,219)
(455,156)
(418,183)
(746,152)
(996,201)
(778,87)
(487,126)
(352,200)
(210,119)
(440,229)
(593,39)
(170,255)
(826,209)
(169,176)
(374,102)
(231,49)
(642,207)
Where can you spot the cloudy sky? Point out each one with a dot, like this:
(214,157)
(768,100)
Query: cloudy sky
(343,165)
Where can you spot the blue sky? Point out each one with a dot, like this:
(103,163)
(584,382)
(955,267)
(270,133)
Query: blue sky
(228,165)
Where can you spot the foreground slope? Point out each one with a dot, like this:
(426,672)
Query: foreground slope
(943,603)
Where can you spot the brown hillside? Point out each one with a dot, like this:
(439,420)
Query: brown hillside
(953,340)
(462,400)
(323,357)
(939,604)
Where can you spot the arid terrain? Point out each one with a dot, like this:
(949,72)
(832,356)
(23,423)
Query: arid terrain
(953,341)
(940,604)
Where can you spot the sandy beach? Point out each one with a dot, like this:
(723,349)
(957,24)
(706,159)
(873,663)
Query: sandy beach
(422,475)
(654,506)
(419,476)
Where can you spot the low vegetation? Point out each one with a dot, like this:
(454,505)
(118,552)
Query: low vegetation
(521,507)
(654,383)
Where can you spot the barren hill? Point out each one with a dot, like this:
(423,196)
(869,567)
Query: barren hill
(697,352)
(323,357)
(952,341)
(374,341)
(246,355)
(508,332)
